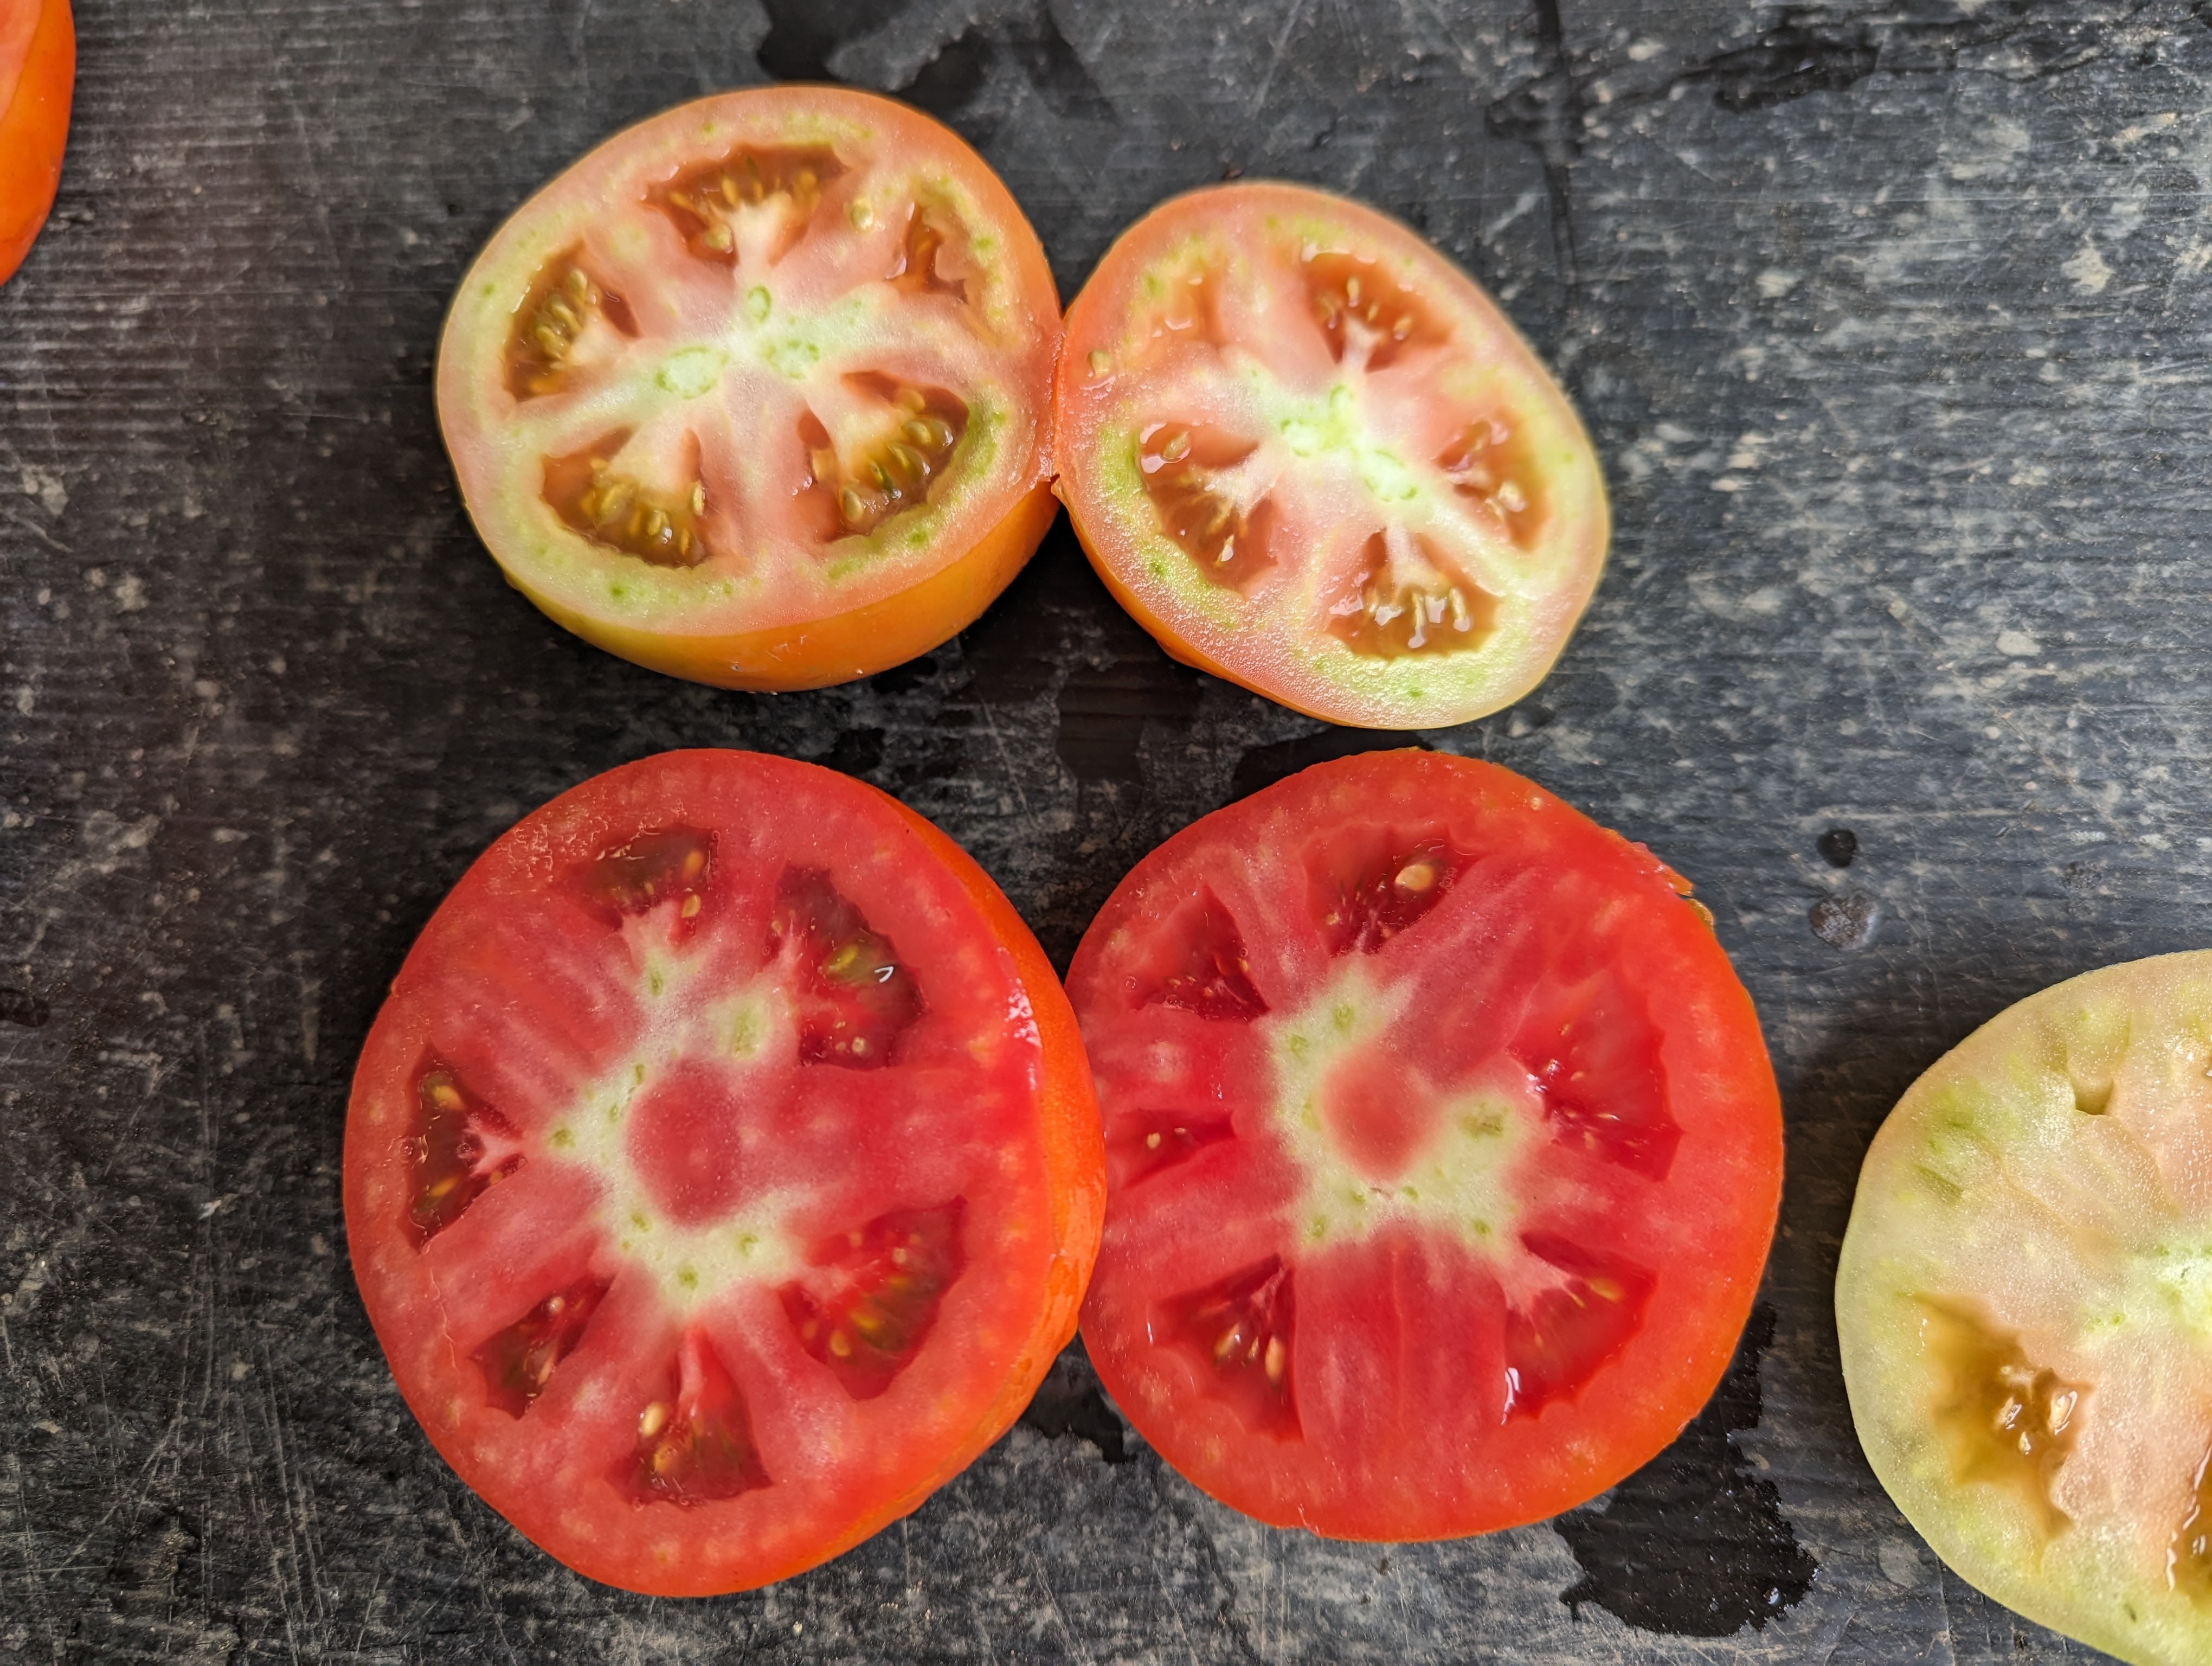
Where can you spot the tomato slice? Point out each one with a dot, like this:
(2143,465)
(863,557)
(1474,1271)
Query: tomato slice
(723,1173)
(38,74)
(1443,1149)
(758,393)
(2024,1302)
(1311,456)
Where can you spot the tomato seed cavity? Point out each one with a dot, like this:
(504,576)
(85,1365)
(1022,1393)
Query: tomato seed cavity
(2008,1421)
(915,271)
(562,301)
(852,997)
(672,863)
(1363,890)
(1152,1141)
(1488,464)
(695,1443)
(1594,1056)
(2188,1558)
(519,1361)
(1406,600)
(1364,312)
(910,450)
(1566,1333)
(1178,461)
(615,511)
(867,1314)
(1239,1328)
(459,1147)
(1212,976)
(705,203)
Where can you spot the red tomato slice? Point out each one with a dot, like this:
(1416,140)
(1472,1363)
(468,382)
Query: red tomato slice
(758,393)
(1310,456)
(1443,1149)
(723,1173)
(37,73)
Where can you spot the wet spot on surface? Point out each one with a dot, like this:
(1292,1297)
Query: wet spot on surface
(1848,921)
(1104,707)
(1070,1403)
(1695,1544)
(21,1006)
(953,76)
(1263,766)
(1838,846)
(856,751)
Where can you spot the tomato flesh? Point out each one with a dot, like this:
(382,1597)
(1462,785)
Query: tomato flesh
(1310,456)
(2022,1305)
(722,1174)
(38,75)
(758,393)
(1442,1150)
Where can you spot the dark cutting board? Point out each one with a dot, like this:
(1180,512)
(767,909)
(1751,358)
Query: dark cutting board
(1890,324)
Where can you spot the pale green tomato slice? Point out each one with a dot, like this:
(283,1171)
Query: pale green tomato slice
(2024,1306)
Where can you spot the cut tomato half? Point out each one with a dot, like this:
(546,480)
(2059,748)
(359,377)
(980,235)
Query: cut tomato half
(38,76)
(1443,1148)
(722,1174)
(758,393)
(2024,1302)
(1311,456)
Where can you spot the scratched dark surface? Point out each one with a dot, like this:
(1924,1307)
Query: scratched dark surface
(1890,322)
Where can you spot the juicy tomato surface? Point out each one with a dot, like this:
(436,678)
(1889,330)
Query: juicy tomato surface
(2024,1301)
(1311,456)
(758,393)
(1442,1146)
(722,1174)
(37,73)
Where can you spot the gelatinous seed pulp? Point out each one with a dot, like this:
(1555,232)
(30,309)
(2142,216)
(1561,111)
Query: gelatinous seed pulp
(2188,1558)
(1178,461)
(1213,978)
(2008,1421)
(703,201)
(1487,464)
(1239,1329)
(673,864)
(867,1314)
(563,298)
(1566,1333)
(1151,1142)
(1595,1033)
(1362,310)
(921,429)
(1405,601)
(914,271)
(460,1146)
(519,1361)
(853,997)
(614,510)
(1364,893)
(695,1443)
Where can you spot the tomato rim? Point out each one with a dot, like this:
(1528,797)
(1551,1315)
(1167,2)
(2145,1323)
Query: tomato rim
(34,133)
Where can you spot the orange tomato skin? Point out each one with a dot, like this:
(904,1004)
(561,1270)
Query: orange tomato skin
(814,653)
(34,127)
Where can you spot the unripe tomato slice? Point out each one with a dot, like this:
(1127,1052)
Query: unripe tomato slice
(758,392)
(723,1173)
(1311,456)
(37,73)
(1442,1146)
(2024,1302)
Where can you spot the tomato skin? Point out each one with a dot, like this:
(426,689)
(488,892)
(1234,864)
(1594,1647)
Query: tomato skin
(566,1511)
(1278,641)
(911,590)
(1396,1444)
(33,126)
